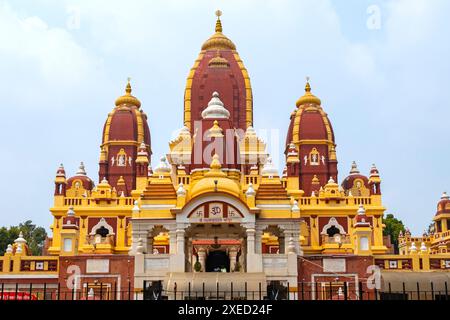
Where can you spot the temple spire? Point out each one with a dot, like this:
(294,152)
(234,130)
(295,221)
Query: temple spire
(218,22)
(307,86)
(128,87)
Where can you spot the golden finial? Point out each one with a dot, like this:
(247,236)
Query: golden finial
(308,86)
(127,98)
(128,88)
(308,98)
(218,22)
(215,163)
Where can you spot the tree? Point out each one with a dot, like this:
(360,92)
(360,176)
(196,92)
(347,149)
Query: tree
(34,235)
(392,229)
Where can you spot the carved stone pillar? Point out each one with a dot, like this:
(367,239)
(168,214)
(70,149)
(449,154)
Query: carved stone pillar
(180,241)
(258,241)
(172,242)
(232,254)
(202,257)
(250,240)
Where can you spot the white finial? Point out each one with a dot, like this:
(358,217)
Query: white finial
(19,248)
(445,196)
(269,169)
(163,166)
(250,191)
(250,131)
(313,194)
(136,206)
(81,170)
(20,239)
(292,150)
(354,169)
(181,190)
(104,181)
(295,207)
(423,247)
(413,247)
(350,193)
(215,109)
(361,210)
(70,212)
(122,194)
(340,292)
(331,180)
(142,149)
(9,249)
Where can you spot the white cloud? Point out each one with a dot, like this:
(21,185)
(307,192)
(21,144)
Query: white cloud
(45,63)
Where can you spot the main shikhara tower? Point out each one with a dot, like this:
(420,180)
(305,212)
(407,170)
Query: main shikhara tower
(216,202)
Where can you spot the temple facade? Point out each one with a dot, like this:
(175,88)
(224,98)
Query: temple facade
(215,210)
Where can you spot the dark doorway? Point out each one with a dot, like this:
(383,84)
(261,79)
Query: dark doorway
(332,231)
(216,261)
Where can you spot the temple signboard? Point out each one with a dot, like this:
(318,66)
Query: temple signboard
(215,212)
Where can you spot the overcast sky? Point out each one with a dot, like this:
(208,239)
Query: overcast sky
(381,68)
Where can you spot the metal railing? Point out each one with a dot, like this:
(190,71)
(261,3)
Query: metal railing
(305,291)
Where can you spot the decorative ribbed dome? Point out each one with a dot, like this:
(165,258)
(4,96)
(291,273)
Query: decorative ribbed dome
(308,97)
(215,109)
(81,177)
(215,180)
(269,169)
(218,40)
(128,99)
(163,166)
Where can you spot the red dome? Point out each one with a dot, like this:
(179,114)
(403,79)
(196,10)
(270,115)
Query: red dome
(351,182)
(80,178)
(443,205)
(85,181)
(123,124)
(312,124)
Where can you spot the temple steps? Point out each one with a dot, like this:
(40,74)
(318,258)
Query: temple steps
(228,281)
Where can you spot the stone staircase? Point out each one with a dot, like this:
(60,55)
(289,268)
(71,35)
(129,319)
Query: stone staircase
(204,285)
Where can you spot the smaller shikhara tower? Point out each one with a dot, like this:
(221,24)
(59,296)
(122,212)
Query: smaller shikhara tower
(94,218)
(310,146)
(125,129)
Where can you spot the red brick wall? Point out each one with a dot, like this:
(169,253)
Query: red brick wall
(310,267)
(119,265)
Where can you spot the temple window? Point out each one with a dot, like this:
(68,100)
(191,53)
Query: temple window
(331,231)
(102,231)
(314,157)
(67,245)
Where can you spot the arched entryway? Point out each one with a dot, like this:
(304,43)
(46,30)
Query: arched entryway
(217,261)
